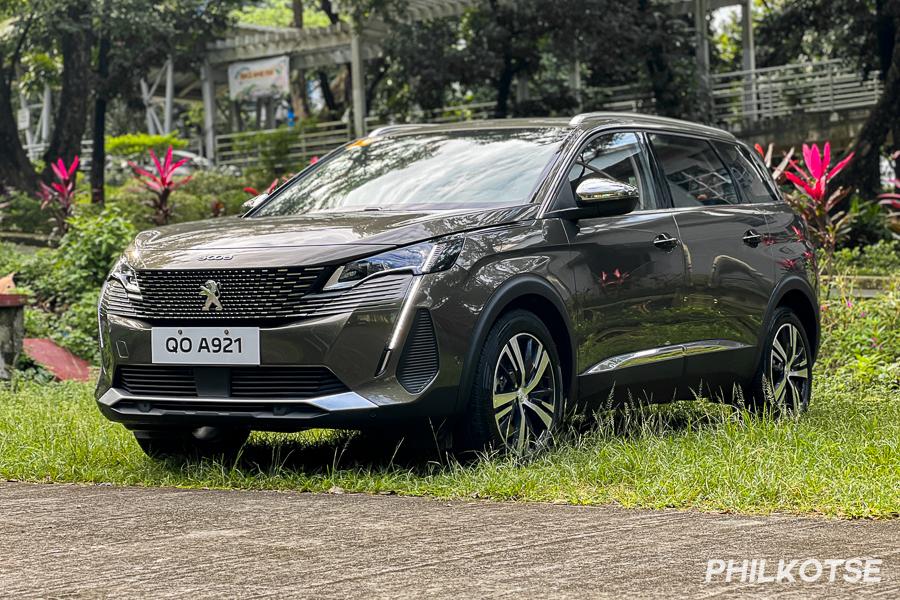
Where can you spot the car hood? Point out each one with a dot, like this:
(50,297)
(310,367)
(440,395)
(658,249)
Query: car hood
(320,238)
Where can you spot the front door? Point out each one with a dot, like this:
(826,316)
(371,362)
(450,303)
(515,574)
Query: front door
(629,270)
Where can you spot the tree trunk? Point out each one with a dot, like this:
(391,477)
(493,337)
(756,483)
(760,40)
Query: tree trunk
(16,171)
(71,114)
(98,158)
(864,171)
(504,88)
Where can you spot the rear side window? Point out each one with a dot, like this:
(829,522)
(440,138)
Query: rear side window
(694,173)
(746,173)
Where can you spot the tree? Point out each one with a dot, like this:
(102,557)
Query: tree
(16,171)
(865,32)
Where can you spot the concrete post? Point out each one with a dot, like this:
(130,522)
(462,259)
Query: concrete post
(170,95)
(358,77)
(701,11)
(208,90)
(749,60)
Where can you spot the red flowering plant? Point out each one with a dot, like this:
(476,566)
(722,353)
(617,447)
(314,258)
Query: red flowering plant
(815,201)
(891,202)
(161,184)
(59,196)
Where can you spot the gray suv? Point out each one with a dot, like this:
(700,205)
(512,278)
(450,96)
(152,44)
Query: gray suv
(490,276)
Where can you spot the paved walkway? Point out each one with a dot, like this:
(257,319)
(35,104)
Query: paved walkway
(61,540)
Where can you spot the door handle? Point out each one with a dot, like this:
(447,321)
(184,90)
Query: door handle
(752,238)
(666,242)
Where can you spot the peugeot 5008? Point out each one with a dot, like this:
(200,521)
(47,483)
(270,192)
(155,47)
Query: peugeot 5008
(489,275)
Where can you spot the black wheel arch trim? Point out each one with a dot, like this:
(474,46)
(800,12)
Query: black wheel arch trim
(518,286)
(784,287)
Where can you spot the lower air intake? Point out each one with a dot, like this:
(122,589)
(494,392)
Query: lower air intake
(419,361)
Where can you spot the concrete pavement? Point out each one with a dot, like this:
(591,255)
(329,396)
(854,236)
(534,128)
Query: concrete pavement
(98,541)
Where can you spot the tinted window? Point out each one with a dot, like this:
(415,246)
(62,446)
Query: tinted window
(693,171)
(746,173)
(617,156)
(443,170)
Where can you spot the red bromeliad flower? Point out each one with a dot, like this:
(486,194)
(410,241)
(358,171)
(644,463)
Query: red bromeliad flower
(59,196)
(162,184)
(813,180)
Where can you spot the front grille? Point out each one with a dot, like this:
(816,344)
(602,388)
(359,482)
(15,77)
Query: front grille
(419,361)
(241,382)
(269,295)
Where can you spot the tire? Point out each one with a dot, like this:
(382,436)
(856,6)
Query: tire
(203,442)
(783,380)
(498,378)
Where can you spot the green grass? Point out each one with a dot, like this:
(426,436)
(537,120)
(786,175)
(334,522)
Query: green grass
(840,459)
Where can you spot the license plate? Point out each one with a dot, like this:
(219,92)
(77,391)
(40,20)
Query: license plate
(205,345)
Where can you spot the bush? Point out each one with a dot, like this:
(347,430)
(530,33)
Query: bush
(133,145)
(880,259)
(85,255)
(869,225)
(24,214)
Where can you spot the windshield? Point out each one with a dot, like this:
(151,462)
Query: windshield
(448,170)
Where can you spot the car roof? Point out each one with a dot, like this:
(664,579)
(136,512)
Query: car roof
(584,122)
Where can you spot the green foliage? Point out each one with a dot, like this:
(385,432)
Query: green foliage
(869,225)
(273,149)
(94,243)
(133,145)
(24,213)
(278,13)
(880,259)
(863,337)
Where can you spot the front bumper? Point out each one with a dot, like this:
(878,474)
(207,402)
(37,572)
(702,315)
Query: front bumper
(364,349)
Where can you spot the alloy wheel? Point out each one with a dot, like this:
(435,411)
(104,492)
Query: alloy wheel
(789,368)
(525,391)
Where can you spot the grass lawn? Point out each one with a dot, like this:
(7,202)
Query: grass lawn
(841,459)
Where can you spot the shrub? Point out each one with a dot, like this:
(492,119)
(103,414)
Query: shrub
(59,196)
(133,145)
(85,255)
(869,226)
(161,184)
(94,243)
(882,259)
(23,213)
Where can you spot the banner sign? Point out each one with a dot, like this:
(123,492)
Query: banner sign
(259,78)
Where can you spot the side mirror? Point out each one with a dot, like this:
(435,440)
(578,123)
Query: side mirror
(253,202)
(607,197)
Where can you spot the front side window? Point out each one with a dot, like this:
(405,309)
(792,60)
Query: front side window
(693,172)
(617,156)
(448,170)
(746,173)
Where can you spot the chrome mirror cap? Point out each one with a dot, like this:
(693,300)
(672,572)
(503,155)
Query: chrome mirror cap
(601,189)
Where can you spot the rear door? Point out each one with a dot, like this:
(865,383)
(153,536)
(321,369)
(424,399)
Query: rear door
(730,271)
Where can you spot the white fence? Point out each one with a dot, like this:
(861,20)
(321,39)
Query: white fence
(747,96)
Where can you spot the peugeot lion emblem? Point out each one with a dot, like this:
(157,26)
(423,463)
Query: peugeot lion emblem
(210,289)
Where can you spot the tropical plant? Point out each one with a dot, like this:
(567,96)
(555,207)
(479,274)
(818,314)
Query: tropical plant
(162,184)
(59,196)
(816,203)
(891,202)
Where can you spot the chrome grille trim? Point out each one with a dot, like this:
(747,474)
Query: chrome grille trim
(291,299)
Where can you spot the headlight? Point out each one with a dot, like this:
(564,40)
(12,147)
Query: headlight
(127,276)
(427,257)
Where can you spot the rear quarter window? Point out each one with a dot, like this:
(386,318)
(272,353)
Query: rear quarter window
(754,183)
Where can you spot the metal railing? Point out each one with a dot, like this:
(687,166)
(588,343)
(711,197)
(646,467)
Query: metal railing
(829,86)
(245,149)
